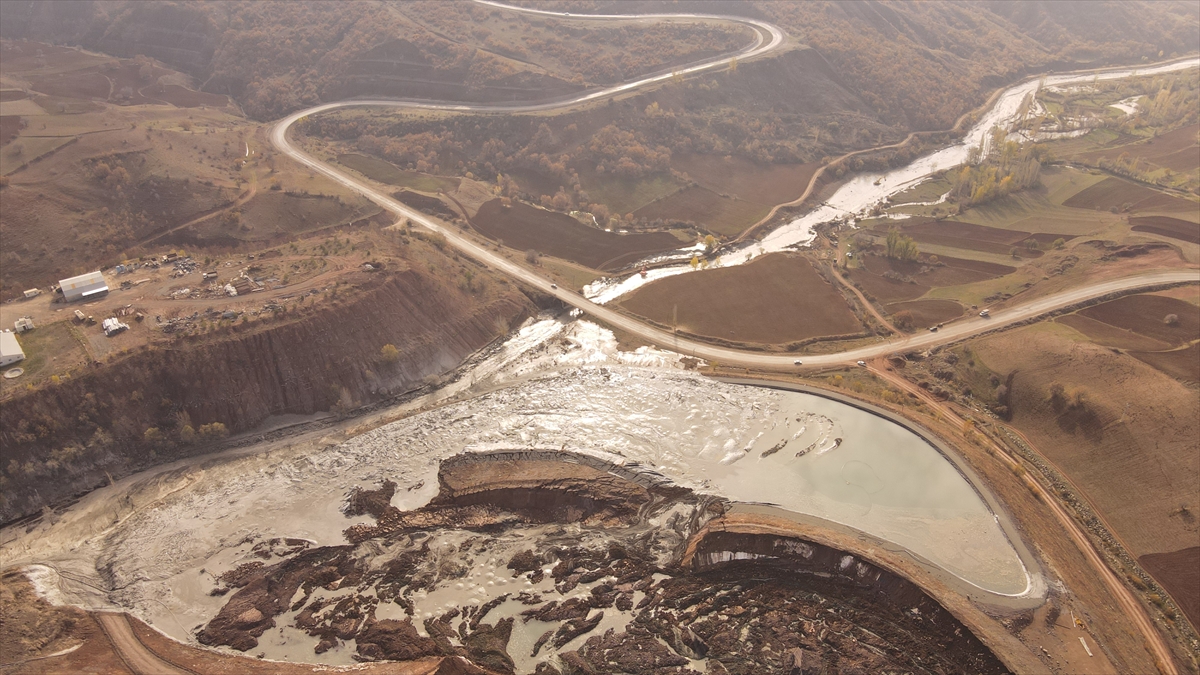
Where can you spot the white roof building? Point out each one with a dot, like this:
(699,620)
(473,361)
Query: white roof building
(10,349)
(83,287)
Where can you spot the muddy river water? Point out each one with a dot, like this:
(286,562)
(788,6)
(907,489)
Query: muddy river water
(862,192)
(562,385)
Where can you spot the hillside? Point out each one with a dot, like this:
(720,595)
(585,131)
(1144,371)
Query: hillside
(149,406)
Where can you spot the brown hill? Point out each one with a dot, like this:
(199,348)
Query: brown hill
(62,440)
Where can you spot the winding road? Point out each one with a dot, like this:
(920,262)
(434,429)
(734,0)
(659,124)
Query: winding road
(768,38)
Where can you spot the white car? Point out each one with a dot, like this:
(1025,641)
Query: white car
(863,364)
(797,362)
(554,286)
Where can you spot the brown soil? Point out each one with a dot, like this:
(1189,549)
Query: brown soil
(926,313)
(955,230)
(10,126)
(1145,314)
(1181,364)
(270,215)
(82,84)
(1179,573)
(182,97)
(1125,195)
(12,95)
(1167,227)
(1123,432)
(525,227)
(1110,336)
(250,371)
(708,209)
(766,185)
(1175,150)
(426,204)
(774,300)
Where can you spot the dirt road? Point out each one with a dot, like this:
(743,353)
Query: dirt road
(131,650)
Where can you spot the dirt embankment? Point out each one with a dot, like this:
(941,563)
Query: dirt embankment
(155,406)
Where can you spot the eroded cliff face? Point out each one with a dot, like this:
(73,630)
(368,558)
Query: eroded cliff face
(158,405)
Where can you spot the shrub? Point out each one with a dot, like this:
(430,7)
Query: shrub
(390,353)
(1171,319)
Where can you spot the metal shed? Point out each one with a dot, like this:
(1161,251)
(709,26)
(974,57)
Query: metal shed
(10,349)
(84,287)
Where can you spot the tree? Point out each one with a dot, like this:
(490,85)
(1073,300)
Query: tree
(1060,243)
(531,256)
(901,247)
(695,262)
(390,353)
(710,244)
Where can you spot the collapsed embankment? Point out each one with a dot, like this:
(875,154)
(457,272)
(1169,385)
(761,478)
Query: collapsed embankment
(154,406)
(592,584)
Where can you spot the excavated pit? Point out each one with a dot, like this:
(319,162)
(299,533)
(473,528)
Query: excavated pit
(557,562)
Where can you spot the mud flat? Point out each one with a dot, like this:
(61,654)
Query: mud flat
(536,561)
(158,545)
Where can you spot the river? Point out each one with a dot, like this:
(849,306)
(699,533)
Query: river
(864,191)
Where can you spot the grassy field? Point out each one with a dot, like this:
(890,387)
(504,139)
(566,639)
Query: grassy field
(626,195)
(725,216)
(385,172)
(49,350)
(1122,430)
(774,300)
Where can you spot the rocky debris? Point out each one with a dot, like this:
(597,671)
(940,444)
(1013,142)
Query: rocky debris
(394,641)
(745,604)
(487,646)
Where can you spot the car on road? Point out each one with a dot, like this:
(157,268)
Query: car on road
(797,362)
(863,364)
(985,314)
(554,286)
(933,329)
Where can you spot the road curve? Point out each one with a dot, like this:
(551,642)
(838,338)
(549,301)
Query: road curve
(130,649)
(725,355)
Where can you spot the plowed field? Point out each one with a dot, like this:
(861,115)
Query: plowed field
(1167,227)
(524,227)
(776,299)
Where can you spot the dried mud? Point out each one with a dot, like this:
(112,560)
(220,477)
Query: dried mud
(552,562)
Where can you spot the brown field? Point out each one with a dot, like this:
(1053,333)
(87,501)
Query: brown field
(182,97)
(1181,364)
(386,172)
(1124,195)
(426,204)
(1167,227)
(525,227)
(952,229)
(1179,573)
(767,185)
(12,95)
(1124,432)
(926,313)
(10,126)
(1144,314)
(774,300)
(924,275)
(722,215)
(274,214)
(1176,150)
(1110,336)
(85,84)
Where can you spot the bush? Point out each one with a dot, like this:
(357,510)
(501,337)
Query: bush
(1171,319)
(390,353)
(531,257)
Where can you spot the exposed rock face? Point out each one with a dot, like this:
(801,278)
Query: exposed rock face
(300,367)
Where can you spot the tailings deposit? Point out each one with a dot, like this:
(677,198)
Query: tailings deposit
(176,546)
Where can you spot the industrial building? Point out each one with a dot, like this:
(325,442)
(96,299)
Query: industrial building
(83,287)
(10,349)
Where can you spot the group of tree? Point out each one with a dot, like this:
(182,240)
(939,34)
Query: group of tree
(1003,168)
(900,246)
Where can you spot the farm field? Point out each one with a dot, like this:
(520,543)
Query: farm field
(1176,571)
(386,172)
(777,299)
(525,227)
(1174,228)
(893,282)
(1122,430)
